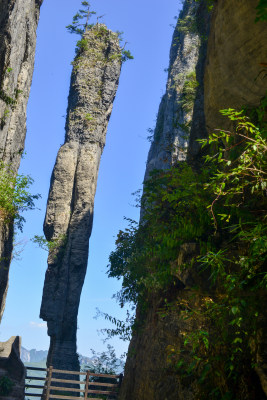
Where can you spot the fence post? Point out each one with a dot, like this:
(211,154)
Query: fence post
(50,371)
(86,384)
(120,380)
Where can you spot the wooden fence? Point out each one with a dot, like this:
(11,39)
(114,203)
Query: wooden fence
(90,381)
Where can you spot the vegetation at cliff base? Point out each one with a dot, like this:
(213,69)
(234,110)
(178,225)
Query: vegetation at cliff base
(220,208)
(6,386)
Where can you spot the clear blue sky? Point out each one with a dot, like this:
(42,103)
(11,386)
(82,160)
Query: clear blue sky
(146,27)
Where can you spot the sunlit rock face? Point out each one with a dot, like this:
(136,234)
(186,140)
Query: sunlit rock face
(18,23)
(69,214)
(227,54)
(184,89)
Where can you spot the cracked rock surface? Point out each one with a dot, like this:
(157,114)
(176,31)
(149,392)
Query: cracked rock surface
(227,57)
(18,23)
(69,214)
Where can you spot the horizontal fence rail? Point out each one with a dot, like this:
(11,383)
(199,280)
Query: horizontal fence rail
(91,385)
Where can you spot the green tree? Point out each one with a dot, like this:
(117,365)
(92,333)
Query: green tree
(105,363)
(80,23)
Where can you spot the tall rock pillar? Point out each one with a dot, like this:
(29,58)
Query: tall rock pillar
(18,23)
(69,214)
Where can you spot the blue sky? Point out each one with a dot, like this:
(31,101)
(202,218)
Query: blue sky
(146,27)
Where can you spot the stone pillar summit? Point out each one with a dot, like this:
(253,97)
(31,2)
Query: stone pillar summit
(69,214)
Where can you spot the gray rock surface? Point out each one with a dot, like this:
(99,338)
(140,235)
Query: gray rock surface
(235,76)
(69,214)
(18,23)
(228,71)
(174,121)
(12,367)
(180,117)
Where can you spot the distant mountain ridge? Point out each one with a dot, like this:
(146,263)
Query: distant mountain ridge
(33,355)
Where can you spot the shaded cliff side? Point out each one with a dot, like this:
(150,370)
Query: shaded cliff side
(18,23)
(222,52)
(69,214)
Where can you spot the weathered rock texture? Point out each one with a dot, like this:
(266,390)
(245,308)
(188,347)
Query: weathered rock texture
(18,23)
(235,74)
(179,104)
(12,367)
(228,72)
(69,214)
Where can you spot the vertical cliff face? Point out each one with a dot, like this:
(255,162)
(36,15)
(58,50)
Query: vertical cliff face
(221,54)
(69,215)
(180,116)
(184,89)
(18,23)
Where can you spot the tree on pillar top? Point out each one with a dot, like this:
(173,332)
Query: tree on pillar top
(80,22)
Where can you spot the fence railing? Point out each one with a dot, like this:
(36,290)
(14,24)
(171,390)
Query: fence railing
(55,388)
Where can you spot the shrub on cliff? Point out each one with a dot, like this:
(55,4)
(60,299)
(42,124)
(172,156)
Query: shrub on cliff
(222,209)
(14,195)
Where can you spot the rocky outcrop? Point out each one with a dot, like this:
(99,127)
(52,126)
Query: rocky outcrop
(226,58)
(18,23)
(12,370)
(69,215)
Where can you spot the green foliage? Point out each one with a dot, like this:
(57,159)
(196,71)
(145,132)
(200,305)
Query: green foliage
(6,386)
(189,92)
(7,99)
(89,117)
(187,24)
(106,363)
(175,205)
(261,11)
(222,209)
(126,55)
(80,20)
(14,195)
(123,329)
(4,117)
(209,3)
(50,245)
(82,45)
(80,26)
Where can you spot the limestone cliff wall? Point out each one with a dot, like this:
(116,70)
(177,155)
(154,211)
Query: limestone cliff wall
(226,55)
(174,121)
(235,75)
(69,214)
(18,23)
